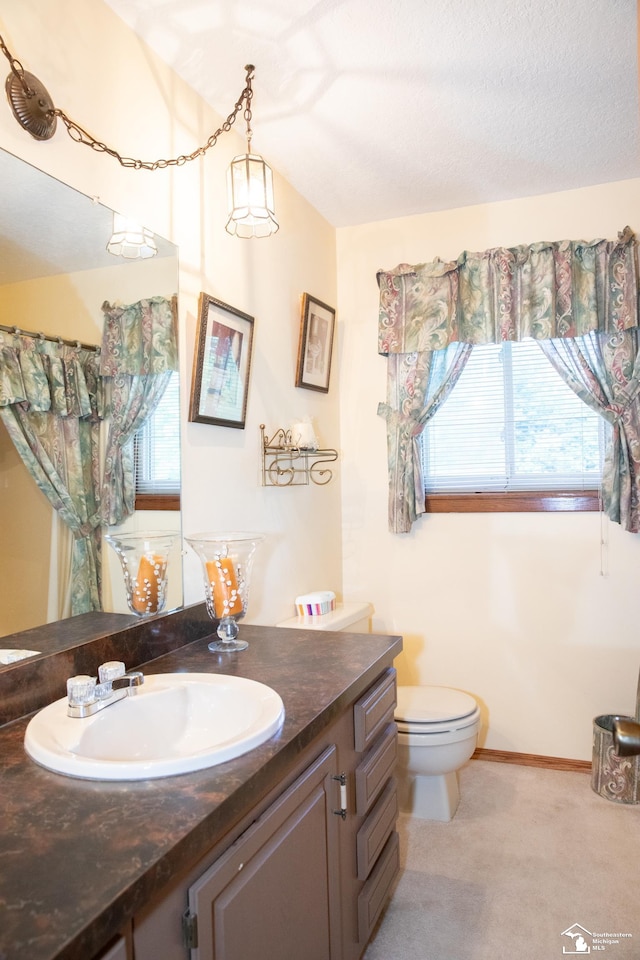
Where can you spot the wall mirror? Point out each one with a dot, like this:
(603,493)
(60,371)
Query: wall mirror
(55,274)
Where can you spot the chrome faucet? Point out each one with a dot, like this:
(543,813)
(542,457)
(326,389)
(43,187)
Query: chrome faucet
(87,696)
(626,732)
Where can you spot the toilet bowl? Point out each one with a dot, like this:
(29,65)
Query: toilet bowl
(437,733)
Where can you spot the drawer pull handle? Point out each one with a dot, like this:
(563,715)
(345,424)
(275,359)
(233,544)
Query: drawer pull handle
(342,780)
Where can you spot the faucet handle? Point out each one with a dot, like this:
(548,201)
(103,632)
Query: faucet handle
(111,670)
(81,690)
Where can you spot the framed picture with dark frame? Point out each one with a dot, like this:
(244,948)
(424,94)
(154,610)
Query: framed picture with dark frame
(221,364)
(316,344)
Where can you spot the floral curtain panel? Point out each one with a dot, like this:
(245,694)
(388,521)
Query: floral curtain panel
(604,371)
(565,289)
(139,339)
(51,402)
(139,353)
(418,383)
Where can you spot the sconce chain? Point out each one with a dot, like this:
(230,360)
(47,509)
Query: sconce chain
(16,68)
(77,133)
(80,135)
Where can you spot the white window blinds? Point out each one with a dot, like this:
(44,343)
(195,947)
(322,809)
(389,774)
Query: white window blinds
(157,445)
(512,424)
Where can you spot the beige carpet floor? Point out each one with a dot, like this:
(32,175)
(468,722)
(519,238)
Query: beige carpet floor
(530,854)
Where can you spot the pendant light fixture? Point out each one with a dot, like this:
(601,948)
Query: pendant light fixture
(131,240)
(250,187)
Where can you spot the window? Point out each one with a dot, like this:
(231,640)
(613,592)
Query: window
(157,454)
(512,432)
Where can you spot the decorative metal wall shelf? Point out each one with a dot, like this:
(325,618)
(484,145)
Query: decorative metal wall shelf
(286,465)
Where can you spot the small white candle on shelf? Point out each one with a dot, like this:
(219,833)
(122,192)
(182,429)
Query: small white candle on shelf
(303,435)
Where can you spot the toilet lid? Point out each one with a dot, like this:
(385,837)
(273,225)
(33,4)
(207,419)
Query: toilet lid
(431,704)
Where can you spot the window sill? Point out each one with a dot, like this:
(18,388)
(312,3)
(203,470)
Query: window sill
(521,502)
(157,501)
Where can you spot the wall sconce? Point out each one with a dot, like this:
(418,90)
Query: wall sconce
(131,240)
(250,179)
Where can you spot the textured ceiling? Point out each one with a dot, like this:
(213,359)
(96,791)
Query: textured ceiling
(375,109)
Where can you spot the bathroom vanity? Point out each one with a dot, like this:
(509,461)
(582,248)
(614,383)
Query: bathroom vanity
(288,851)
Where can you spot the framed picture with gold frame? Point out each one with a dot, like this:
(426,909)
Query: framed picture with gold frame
(316,344)
(221,364)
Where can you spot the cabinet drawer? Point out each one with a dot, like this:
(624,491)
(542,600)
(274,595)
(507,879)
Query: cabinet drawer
(374,710)
(375,891)
(376,768)
(375,831)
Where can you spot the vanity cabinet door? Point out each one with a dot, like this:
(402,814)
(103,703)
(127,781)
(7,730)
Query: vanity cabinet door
(275,892)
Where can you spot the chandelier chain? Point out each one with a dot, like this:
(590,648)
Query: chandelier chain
(80,135)
(16,68)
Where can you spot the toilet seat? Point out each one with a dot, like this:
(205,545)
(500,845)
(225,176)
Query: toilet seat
(433,709)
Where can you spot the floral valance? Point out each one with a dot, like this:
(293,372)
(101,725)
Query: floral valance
(544,290)
(140,338)
(50,376)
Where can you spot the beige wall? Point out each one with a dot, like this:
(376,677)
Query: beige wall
(146,111)
(512,607)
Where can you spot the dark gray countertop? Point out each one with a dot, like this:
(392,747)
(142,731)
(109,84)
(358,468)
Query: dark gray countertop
(79,858)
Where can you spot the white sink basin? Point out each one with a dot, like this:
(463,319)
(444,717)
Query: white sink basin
(176,723)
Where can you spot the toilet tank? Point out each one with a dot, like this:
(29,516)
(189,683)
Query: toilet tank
(350,617)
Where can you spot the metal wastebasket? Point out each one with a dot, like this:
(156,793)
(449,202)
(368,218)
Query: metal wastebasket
(613,777)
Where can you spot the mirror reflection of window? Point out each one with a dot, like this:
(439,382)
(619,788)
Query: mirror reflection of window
(157,447)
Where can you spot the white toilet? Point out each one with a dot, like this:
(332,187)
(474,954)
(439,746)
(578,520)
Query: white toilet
(437,727)
(437,733)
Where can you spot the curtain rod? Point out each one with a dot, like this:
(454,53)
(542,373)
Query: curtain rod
(43,336)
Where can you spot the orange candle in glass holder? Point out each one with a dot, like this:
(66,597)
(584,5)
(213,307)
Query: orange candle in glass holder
(227,601)
(146,589)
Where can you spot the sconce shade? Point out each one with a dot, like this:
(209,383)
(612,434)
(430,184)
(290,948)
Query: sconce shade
(131,240)
(250,195)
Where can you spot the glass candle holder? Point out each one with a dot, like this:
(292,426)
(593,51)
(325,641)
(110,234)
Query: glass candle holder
(144,558)
(226,559)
